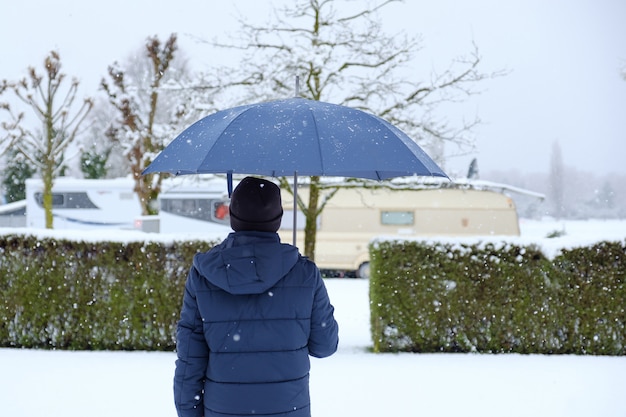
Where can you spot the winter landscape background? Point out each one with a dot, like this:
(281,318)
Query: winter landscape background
(353,381)
(566,82)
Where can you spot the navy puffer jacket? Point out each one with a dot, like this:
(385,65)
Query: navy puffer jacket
(253,311)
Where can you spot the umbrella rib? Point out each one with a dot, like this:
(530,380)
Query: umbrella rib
(221,135)
(391,132)
(319,142)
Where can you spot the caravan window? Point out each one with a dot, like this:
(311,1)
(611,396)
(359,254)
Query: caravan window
(397,217)
(68,200)
(197,208)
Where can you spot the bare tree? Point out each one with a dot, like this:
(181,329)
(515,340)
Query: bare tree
(343,56)
(148,116)
(45,146)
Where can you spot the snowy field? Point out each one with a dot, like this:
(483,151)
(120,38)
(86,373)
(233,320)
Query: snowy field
(353,382)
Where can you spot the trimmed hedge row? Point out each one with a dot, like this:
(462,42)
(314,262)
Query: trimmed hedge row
(425,297)
(61,294)
(444,297)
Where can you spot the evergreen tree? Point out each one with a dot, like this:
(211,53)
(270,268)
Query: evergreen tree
(16,173)
(93,164)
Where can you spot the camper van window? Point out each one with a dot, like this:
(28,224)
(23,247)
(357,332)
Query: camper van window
(220,213)
(197,208)
(68,200)
(397,217)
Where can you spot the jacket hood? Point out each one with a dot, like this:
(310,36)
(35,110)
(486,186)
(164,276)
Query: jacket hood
(247,262)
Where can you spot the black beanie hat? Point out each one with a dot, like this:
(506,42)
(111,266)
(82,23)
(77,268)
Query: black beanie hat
(256,205)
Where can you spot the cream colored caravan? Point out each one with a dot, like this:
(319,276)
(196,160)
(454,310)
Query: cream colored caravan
(355,216)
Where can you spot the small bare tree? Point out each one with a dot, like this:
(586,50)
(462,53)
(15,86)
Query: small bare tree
(148,116)
(59,126)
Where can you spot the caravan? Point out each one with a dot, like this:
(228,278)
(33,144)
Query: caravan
(199,204)
(84,203)
(194,204)
(13,214)
(355,216)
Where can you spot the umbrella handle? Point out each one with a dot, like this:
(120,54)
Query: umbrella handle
(229,181)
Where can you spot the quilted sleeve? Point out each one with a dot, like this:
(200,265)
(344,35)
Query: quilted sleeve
(192,354)
(324,336)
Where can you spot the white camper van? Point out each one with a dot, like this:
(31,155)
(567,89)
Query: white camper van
(191,204)
(199,204)
(84,203)
(13,214)
(355,216)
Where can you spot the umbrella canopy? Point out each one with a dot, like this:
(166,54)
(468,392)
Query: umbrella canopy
(295,136)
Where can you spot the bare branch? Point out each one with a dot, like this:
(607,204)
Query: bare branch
(367,12)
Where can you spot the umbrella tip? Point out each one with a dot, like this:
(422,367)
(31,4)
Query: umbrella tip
(297,85)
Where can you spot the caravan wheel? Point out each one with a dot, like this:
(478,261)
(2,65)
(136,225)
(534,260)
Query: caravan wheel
(363,271)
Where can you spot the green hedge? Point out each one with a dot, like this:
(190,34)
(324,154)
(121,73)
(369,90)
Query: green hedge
(425,297)
(61,294)
(497,298)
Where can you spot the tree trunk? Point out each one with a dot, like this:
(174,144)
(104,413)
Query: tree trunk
(147,191)
(310,228)
(47,172)
(48,180)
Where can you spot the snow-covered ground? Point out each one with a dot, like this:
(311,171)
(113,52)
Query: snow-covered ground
(353,382)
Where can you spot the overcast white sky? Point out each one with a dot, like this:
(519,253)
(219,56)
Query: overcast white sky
(564,56)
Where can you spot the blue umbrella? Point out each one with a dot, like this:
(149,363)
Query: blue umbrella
(294,136)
